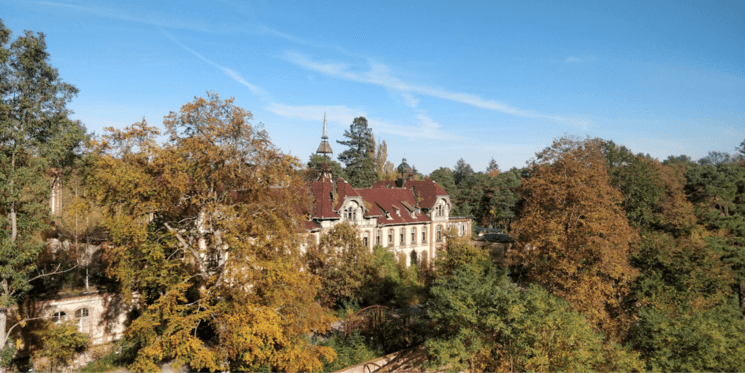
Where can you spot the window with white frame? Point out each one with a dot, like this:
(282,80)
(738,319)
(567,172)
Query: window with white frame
(378,233)
(424,235)
(59,317)
(413,235)
(439,233)
(402,236)
(81,316)
(390,237)
(366,239)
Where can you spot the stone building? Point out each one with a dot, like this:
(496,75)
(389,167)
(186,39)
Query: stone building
(409,217)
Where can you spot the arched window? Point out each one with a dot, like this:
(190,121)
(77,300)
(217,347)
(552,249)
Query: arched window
(424,235)
(59,317)
(413,235)
(413,258)
(439,233)
(354,212)
(402,236)
(378,233)
(81,316)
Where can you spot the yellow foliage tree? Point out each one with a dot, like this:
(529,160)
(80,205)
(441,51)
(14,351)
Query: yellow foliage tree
(573,237)
(204,228)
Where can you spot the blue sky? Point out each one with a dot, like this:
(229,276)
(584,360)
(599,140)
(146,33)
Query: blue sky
(438,81)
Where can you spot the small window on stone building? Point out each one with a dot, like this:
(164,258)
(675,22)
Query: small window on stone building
(413,258)
(81,316)
(439,233)
(402,235)
(59,317)
(424,235)
(354,213)
(378,233)
(390,237)
(413,236)
(366,239)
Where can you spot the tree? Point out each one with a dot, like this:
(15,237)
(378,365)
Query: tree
(444,178)
(316,161)
(719,195)
(493,168)
(36,136)
(203,228)
(60,344)
(741,148)
(462,172)
(715,158)
(484,323)
(498,204)
(360,157)
(342,262)
(383,166)
(573,238)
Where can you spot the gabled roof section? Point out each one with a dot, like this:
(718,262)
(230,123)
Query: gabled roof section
(323,199)
(387,200)
(427,192)
(343,190)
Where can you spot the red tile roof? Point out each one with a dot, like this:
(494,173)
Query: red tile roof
(391,201)
(343,189)
(380,200)
(427,192)
(322,199)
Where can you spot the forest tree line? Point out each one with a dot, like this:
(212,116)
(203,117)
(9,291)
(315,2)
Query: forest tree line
(620,261)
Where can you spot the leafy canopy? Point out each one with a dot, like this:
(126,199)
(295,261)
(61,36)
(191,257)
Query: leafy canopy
(203,228)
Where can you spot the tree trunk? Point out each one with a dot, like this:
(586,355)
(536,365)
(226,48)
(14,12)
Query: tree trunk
(3,322)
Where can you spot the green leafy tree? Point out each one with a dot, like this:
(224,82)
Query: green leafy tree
(719,195)
(484,323)
(36,136)
(360,158)
(462,172)
(492,168)
(498,204)
(203,227)
(445,179)
(316,162)
(59,345)
(342,262)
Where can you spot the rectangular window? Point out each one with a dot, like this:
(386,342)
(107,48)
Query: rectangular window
(424,235)
(413,236)
(403,239)
(364,241)
(390,237)
(377,237)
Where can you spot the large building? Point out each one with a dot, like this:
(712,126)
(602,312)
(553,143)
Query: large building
(409,217)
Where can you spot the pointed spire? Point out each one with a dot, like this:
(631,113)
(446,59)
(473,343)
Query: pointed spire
(324,148)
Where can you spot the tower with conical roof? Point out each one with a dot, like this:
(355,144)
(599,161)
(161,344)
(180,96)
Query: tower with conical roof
(324,149)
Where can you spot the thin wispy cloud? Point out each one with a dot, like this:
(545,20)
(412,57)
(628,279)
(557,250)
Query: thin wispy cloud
(256,90)
(341,115)
(379,75)
(152,19)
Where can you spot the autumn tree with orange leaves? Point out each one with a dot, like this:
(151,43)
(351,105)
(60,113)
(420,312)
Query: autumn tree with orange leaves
(203,227)
(573,237)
